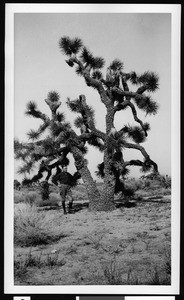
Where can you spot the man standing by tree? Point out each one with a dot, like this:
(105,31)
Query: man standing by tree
(66,182)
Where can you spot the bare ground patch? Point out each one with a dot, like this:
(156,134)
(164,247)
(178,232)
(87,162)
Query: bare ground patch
(126,246)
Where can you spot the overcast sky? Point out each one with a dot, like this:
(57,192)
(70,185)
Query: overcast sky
(141,41)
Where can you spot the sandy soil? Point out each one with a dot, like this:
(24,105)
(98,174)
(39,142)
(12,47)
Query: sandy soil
(126,246)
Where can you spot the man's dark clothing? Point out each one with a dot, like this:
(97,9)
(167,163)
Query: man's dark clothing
(65,179)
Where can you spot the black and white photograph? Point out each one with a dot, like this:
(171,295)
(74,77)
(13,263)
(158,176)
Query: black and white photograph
(92,112)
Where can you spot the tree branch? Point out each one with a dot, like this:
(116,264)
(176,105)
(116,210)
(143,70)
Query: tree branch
(143,151)
(136,118)
(96,83)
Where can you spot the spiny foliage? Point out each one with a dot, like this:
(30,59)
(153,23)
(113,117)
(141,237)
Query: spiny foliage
(32,110)
(88,59)
(149,79)
(86,111)
(70,46)
(97,75)
(33,134)
(146,104)
(53,96)
(136,133)
(116,64)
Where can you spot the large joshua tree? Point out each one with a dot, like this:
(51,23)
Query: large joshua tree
(114,92)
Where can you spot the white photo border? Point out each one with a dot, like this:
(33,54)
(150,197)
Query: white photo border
(10,10)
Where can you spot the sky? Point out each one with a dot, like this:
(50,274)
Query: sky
(141,40)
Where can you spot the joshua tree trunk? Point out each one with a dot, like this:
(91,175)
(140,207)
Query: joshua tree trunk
(107,197)
(91,188)
(97,201)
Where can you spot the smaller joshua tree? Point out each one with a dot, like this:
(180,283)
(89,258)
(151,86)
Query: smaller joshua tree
(41,152)
(113,89)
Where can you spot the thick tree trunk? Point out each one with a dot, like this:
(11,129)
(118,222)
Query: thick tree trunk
(91,188)
(103,201)
(107,197)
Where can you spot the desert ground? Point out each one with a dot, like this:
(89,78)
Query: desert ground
(128,246)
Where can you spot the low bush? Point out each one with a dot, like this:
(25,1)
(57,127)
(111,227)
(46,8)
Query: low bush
(33,228)
(112,273)
(39,261)
(18,197)
(32,198)
(54,200)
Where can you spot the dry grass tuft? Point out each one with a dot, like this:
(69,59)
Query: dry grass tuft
(33,228)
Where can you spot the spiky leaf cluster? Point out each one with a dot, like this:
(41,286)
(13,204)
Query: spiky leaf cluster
(96,142)
(116,65)
(79,70)
(56,129)
(97,75)
(88,59)
(79,122)
(146,166)
(32,110)
(87,112)
(125,172)
(75,105)
(146,126)
(70,62)
(60,117)
(133,77)
(19,146)
(49,146)
(70,46)
(33,134)
(150,80)
(26,168)
(53,96)
(136,133)
(146,104)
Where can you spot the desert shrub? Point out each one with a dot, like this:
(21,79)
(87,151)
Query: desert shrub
(112,273)
(54,198)
(147,184)
(53,260)
(159,276)
(39,261)
(132,277)
(79,195)
(20,269)
(18,197)
(32,198)
(135,184)
(80,188)
(32,228)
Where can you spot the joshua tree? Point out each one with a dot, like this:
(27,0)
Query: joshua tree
(113,91)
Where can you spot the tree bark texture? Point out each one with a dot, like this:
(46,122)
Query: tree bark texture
(82,168)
